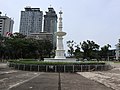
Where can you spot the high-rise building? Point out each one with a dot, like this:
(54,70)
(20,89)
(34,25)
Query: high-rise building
(50,23)
(31,21)
(117,50)
(6,25)
(41,36)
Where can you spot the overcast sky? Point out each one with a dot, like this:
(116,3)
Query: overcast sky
(97,20)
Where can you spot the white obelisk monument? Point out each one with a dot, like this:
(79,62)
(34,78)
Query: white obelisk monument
(60,52)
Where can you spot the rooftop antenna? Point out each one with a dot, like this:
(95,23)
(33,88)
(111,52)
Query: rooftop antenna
(50,5)
(60,8)
(60,11)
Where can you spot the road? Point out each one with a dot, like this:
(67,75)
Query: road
(25,80)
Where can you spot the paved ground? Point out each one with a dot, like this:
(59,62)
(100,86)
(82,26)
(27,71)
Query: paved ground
(109,78)
(24,80)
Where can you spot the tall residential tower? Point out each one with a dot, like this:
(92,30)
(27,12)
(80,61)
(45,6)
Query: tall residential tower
(50,23)
(6,25)
(31,21)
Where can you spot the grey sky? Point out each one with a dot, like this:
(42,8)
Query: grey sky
(97,20)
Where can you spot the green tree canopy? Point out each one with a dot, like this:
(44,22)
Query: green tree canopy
(70,45)
(89,48)
(104,52)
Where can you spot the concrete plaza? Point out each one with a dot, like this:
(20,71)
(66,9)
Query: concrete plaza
(24,80)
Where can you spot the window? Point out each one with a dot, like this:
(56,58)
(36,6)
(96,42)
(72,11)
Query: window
(0,20)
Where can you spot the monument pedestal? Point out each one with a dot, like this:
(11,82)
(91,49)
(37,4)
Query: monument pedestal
(60,54)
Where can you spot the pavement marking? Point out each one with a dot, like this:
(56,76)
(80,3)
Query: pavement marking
(30,87)
(15,85)
(12,71)
(8,72)
(3,79)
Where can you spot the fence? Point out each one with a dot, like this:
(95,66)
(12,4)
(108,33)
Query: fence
(59,68)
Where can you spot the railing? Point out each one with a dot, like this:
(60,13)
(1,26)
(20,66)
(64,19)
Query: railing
(59,68)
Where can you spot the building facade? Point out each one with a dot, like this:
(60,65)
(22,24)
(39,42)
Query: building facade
(6,26)
(41,36)
(117,50)
(50,24)
(31,21)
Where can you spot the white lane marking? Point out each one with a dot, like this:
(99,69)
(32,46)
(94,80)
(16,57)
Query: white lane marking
(11,86)
(12,71)
(8,72)
(3,79)
(30,87)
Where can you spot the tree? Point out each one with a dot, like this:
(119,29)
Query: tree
(2,39)
(48,47)
(18,35)
(89,48)
(18,46)
(44,48)
(77,52)
(104,52)
(70,45)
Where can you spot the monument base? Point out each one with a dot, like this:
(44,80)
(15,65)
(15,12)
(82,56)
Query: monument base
(60,54)
(60,57)
(59,60)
